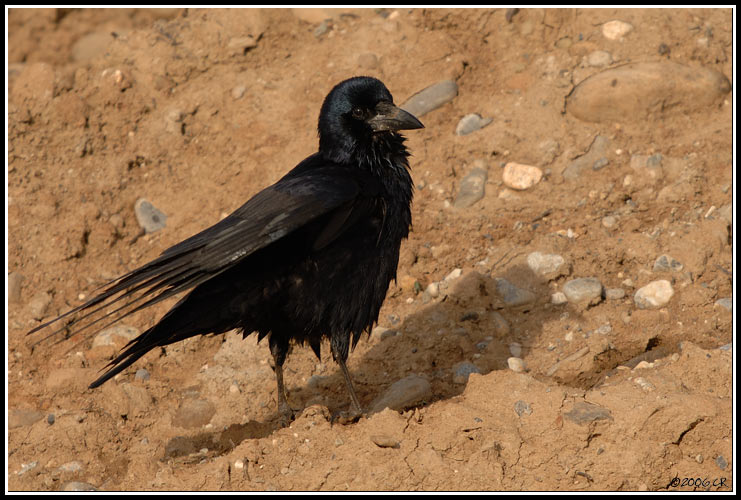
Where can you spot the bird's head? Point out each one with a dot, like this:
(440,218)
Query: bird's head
(355,113)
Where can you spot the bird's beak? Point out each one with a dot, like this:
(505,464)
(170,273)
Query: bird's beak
(389,117)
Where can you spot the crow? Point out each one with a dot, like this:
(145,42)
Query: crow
(307,258)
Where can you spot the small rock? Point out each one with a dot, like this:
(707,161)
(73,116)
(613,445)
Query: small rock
(515,349)
(322,28)
(599,58)
(522,408)
(50,419)
(384,441)
(558,298)
(78,486)
(655,294)
(38,305)
(585,413)
(116,336)
(433,290)
(547,266)
(471,123)
(472,188)
(517,365)
(431,98)
(725,303)
(141,374)
(597,150)
(461,371)
(520,177)
(667,263)
(609,221)
(499,324)
(583,290)
(452,275)
(148,216)
(614,293)
(721,462)
(27,467)
(73,466)
(402,393)
(600,163)
(512,295)
(15,283)
(238,92)
(616,30)
(194,413)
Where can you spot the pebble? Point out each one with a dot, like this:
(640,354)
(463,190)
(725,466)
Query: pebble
(193,413)
(583,290)
(51,419)
(38,305)
(433,290)
(73,466)
(548,149)
(521,177)
(725,303)
(15,283)
(384,441)
(383,333)
(667,263)
(522,408)
(115,336)
(614,293)
(721,462)
(27,467)
(148,216)
(23,417)
(461,371)
(585,413)
(453,275)
(597,150)
(141,374)
(655,294)
(616,30)
(472,186)
(431,98)
(609,221)
(600,164)
(471,123)
(78,486)
(512,295)
(599,58)
(402,393)
(238,92)
(558,298)
(546,265)
(630,93)
(515,349)
(517,365)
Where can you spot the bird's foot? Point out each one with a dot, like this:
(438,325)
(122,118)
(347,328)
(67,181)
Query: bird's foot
(348,417)
(286,414)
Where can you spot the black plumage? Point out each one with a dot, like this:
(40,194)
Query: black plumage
(307,258)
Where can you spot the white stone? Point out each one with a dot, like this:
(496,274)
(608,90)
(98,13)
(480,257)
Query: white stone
(655,294)
(616,30)
(519,176)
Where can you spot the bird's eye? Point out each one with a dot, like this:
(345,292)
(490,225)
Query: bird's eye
(358,113)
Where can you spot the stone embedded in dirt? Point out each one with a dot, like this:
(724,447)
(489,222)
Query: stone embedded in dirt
(558,298)
(499,324)
(614,293)
(238,92)
(117,336)
(596,151)
(28,467)
(77,486)
(600,163)
(548,150)
(513,295)
(179,446)
(38,305)
(73,466)
(522,408)
(724,303)
(648,166)
(515,364)
(721,462)
(667,263)
(193,413)
(546,265)
(21,417)
(472,186)
(431,98)
(585,413)
(599,58)
(141,374)
(616,30)
(15,283)
(583,290)
(655,294)
(384,441)
(521,177)
(51,419)
(637,91)
(402,393)
(148,216)
(609,221)
(462,370)
(471,123)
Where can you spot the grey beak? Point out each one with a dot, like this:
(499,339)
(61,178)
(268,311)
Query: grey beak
(389,117)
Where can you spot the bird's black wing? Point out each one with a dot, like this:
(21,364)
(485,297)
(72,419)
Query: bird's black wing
(314,188)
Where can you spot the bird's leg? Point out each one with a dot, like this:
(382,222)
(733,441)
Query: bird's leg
(279,350)
(339,353)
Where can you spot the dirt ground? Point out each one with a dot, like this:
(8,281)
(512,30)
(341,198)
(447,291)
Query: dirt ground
(189,109)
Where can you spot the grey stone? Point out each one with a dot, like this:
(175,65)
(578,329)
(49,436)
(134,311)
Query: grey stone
(721,462)
(614,293)
(522,408)
(667,263)
(512,295)
(600,163)
(402,393)
(583,290)
(471,123)
(431,98)
(38,305)
(108,336)
(585,413)
(149,217)
(472,188)
(77,486)
(599,58)
(597,150)
(15,284)
(725,303)
(547,266)
(461,371)
(141,374)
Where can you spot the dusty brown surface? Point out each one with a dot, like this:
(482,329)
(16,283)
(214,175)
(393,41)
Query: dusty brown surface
(96,124)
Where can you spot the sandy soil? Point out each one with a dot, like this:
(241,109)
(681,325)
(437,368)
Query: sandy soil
(190,109)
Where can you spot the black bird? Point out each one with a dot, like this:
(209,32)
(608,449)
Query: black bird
(309,257)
